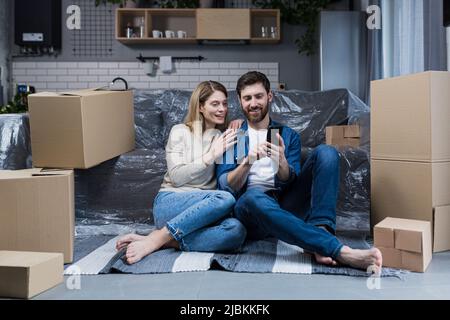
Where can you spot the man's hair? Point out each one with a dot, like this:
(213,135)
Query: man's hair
(250,78)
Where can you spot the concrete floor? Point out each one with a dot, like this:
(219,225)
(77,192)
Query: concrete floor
(221,285)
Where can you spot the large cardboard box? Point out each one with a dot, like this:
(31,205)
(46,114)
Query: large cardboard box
(26,274)
(37,211)
(343,135)
(80,129)
(413,190)
(410,117)
(404,243)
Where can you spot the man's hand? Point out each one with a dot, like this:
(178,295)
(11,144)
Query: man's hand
(276,153)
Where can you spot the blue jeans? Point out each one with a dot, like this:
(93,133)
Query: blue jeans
(200,220)
(295,215)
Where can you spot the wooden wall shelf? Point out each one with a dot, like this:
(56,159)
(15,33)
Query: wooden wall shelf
(199,24)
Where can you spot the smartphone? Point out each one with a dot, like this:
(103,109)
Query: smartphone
(273,129)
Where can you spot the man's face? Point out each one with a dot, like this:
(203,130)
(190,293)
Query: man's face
(255,102)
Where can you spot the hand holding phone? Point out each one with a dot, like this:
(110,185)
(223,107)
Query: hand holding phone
(272,133)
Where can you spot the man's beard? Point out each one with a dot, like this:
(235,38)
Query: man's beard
(256,118)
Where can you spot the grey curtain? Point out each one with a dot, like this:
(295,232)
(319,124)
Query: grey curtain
(434,36)
(374,53)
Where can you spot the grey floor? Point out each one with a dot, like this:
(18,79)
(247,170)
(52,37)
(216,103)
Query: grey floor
(221,285)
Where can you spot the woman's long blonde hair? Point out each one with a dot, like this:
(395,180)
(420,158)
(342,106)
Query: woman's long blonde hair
(194,119)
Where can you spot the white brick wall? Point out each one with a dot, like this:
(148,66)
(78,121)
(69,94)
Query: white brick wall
(61,76)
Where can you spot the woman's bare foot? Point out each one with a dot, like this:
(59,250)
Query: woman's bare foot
(172,244)
(127,239)
(361,259)
(136,250)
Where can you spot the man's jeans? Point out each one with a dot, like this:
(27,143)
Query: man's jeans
(200,220)
(295,215)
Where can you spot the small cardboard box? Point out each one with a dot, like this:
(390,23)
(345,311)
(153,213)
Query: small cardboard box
(404,243)
(413,190)
(37,211)
(409,117)
(343,135)
(80,129)
(26,274)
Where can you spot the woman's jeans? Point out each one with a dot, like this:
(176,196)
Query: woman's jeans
(200,220)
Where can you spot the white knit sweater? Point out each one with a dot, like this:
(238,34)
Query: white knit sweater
(186,170)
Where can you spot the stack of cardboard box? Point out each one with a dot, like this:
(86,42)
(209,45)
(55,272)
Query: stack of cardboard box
(404,243)
(74,130)
(410,151)
(343,135)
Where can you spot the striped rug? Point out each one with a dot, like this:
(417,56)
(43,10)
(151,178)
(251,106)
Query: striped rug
(265,256)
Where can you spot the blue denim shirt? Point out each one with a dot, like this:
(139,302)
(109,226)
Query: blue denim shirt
(233,157)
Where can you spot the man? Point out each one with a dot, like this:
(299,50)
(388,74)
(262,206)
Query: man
(274,197)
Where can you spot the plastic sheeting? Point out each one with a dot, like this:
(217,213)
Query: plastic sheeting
(120,190)
(117,195)
(15,148)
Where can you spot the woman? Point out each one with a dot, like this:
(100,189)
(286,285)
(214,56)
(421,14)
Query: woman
(189,213)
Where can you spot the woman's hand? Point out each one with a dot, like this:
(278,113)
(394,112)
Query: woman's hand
(219,145)
(235,124)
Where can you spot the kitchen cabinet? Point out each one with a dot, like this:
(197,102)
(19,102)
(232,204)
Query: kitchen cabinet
(196,25)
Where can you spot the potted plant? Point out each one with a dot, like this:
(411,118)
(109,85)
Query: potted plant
(19,104)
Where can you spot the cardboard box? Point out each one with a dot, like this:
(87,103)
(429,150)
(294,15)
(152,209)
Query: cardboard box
(80,129)
(413,190)
(411,248)
(343,135)
(26,274)
(409,117)
(391,257)
(37,211)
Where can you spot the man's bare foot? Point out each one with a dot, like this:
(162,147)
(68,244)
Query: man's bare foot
(136,250)
(127,239)
(322,259)
(325,260)
(361,259)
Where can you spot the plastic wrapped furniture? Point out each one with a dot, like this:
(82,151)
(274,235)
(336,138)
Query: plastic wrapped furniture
(117,195)
(15,147)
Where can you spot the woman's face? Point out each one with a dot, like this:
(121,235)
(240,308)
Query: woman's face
(215,109)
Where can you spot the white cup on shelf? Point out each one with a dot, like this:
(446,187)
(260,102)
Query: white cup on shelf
(181,34)
(170,34)
(156,34)
(264,32)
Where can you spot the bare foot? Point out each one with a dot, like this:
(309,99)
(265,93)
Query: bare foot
(322,259)
(171,244)
(325,260)
(136,250)
(127,239)
(361,259)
